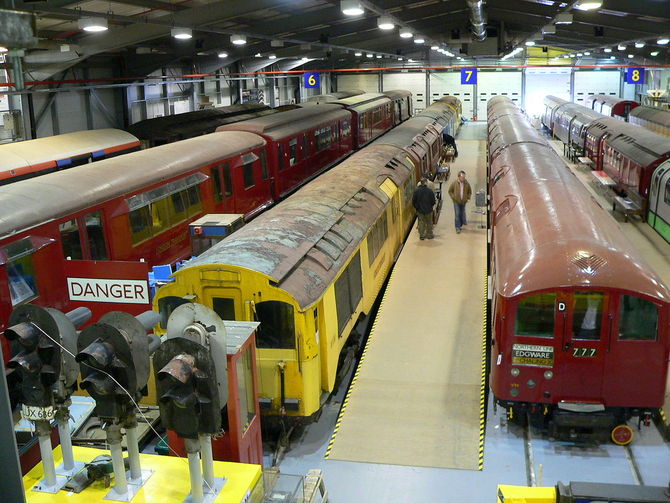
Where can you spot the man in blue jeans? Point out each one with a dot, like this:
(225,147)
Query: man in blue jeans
(460,193)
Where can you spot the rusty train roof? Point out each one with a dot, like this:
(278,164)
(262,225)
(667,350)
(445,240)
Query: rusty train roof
(29,203)
(290,122)
(397,93)
(302,243)
(652,114)
(555,235)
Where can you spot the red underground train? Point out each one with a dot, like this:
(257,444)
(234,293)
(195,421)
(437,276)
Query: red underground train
(88,236)
(580,321)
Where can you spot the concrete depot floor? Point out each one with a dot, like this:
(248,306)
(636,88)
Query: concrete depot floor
(505,446)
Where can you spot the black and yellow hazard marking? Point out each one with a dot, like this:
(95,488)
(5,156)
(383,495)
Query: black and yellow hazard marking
(663,424)
(380,310)
(482,391)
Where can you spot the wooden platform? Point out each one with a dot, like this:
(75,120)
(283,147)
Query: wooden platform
(415,399)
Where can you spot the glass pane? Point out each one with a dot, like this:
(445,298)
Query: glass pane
(535,315)
(218,193)
(96,236)
(227,180)
(140,224)
(293,151)
(277,328)
(69,236)
(22,280)
(248,171)
(639,319)
(225,308)
(245,386)
(264,165)
(587,314)
(165,307)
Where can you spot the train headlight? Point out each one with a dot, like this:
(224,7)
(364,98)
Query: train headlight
(548,374)
(515,372)
(531,383)
(514,391)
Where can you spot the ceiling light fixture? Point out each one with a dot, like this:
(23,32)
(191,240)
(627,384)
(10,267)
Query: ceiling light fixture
(369,55)
(223,55)
(563,18)
(238,39)
(359,53)
(385,23)
(410,60)
(379,56)
(639,44)
(435,48)
(399,58)
(612,57)
(621,47)
(663,41)
(530,43)
(419,40)
(587,53)
(579,54)
(351,8)
(304,58)
(588,5)
(272,56)
(565,56)
(549,29)
(653,53)
(607,49)
(572,54)
(3,49)
(94,24)
(405,33)
(630,56)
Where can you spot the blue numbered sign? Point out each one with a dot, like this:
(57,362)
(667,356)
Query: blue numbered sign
(312,80)
(635,75)
(468,75)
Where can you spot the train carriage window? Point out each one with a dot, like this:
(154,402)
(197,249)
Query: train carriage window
(305,146)
(224,307)
(277,328)
(248,172)
(639,319)
(194,203)
(348,292)
(218,188)
(160,214)
(21,271)
(227,180)
(140,224)
(264,165)
(69,238)
(293,151)
(377,238)
(587,313)
(535,316)
(96,236)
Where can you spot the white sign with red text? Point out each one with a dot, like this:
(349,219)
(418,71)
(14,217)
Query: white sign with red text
(122,291)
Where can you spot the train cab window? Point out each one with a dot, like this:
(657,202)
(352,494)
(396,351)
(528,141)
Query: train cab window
(96,236)
(535,315)
(69,238)
(639,319)
(21,271)
(587,314)
(323,139)
(165,307)
(293,151)
(277,328)
(227,180)
(248,173)
(224,307)
(348,292)
(264,165)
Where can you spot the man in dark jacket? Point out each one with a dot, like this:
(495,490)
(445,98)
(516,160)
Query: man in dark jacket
(423,201)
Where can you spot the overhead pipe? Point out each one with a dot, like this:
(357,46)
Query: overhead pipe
(478,19)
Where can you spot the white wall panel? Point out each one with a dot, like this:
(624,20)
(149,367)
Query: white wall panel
(588,83)
(369,82)
(449,83)
(541,82)
(490,84)
(414,82)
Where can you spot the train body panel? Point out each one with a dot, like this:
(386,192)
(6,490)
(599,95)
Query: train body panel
(580,320)
(654,119)
(402,104)
(373,115)
(613,106)
(551,103)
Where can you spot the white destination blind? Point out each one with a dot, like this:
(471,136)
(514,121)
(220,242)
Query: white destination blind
(124,291)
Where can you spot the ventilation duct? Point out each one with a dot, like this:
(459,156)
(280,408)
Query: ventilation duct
(478,19)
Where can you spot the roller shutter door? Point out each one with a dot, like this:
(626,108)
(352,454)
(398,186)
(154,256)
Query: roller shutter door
(369,82)
(449,83)
(490,84)
(541,82)
(413,82)
(591,82)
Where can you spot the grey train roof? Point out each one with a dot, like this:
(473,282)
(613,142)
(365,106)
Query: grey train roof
(31,202)
(652,114)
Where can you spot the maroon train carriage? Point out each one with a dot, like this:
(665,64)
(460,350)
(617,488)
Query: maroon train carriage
(627,153)
(571,122)
(304,142)
(613,106)
(402,104)
(373,115)
(26,159)
(580,337)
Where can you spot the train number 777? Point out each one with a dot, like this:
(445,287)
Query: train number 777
(584,352)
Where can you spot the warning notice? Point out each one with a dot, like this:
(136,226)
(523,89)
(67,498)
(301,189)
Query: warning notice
(529,354)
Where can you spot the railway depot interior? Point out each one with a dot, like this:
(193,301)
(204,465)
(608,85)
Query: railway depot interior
(315,348)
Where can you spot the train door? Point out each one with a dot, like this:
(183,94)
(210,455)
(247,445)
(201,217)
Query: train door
(659,201)
(600,151)
(582,327)
(637,352)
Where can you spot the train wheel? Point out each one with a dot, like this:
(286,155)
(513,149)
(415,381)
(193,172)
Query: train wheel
(622,434)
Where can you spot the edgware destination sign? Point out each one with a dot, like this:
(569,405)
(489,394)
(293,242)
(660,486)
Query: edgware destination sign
(529,354)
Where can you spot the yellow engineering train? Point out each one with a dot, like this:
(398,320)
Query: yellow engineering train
(310,267)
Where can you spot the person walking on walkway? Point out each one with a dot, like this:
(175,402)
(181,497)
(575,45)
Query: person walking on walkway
(460,193)
(423,201)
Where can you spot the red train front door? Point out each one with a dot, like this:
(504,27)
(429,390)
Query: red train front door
(582,324)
